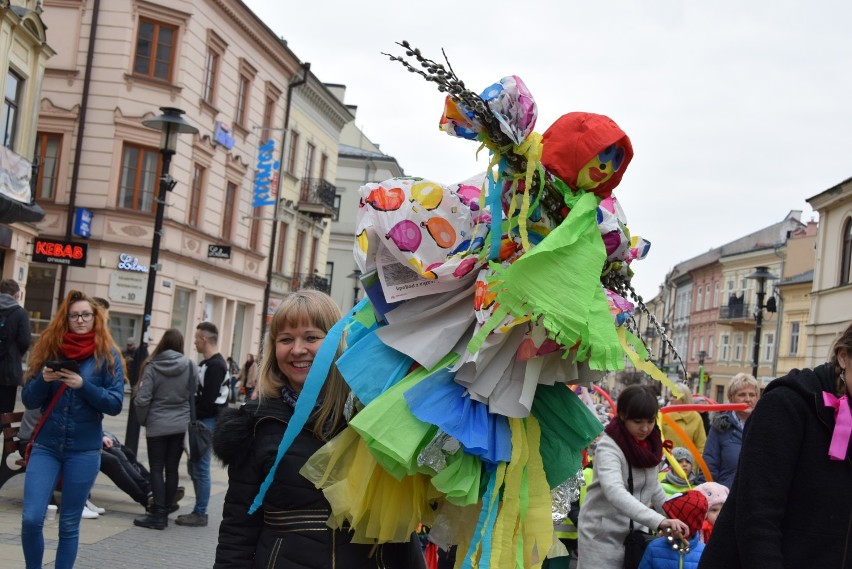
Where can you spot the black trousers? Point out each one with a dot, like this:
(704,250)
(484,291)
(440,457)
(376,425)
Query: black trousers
(8,396)
(164,458)
(120,465)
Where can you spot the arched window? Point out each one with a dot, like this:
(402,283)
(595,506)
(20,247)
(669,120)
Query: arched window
(846,259)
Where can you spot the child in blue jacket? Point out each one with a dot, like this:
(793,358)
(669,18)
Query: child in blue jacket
(666,553)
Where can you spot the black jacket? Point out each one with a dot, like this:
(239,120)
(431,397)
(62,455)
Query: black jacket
(211,374)
(289,530)
(16,337)
(790,505)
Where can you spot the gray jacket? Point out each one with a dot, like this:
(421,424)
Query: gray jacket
(605,515)
(162,402)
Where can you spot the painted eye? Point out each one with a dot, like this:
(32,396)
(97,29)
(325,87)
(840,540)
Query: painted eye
(618,159)
(607,153)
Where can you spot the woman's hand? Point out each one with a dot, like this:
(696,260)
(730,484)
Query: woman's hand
(679,529)
(71,379)
(50,375)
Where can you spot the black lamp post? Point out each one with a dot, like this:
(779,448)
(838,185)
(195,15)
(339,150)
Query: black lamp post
(170,123)
(761,275)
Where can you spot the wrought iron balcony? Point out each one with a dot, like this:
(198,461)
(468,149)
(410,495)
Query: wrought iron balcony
(313,282)
(317,197)
(736,312)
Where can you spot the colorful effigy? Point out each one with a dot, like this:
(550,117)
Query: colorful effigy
(484,299)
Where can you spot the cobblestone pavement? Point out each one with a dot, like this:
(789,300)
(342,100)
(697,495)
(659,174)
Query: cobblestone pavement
(112,541)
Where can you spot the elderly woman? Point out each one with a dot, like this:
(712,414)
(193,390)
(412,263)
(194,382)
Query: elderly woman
(689,421)
(722,452)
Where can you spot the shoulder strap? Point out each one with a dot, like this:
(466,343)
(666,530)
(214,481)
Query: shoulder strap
(630,486)
(47,411)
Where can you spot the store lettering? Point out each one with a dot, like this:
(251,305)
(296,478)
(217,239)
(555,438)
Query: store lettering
(266,166)
(129,263)
(63,250)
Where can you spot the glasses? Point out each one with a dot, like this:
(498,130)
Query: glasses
(84,316)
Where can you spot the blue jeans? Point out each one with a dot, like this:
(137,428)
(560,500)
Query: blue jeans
(78,470)
(200,474)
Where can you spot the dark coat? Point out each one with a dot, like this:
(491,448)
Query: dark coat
(16,322)
(790,505)
(246,440)
(722,451)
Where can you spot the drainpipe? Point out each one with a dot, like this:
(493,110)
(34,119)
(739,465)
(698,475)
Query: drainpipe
(306,68)
(78,151)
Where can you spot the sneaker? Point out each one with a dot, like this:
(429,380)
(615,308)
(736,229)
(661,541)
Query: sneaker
(192,520)
(94,508)
(89,514)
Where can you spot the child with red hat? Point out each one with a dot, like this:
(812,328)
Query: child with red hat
(669,553)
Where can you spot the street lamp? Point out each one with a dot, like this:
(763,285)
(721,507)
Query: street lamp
(170,124)
(761,275)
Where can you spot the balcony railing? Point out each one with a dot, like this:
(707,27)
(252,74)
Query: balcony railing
(313,282)
(736,312)
(317,197)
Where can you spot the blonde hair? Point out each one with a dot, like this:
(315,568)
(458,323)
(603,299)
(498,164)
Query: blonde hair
(306,307)
(843,342)
(685,395)
(740,381)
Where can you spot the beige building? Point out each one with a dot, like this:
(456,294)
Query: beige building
(24,53)
(831,297)
(231,74)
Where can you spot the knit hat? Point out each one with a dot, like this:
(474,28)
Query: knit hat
(681,453)
(714,492)
(689,507)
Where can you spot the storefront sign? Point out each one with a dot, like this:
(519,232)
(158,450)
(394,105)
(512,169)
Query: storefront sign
(128,288)
(218,251)
(83,222)
(266,168)
(223,135)
(59,252)
(130,263)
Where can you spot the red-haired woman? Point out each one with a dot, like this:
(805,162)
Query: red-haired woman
(70,439)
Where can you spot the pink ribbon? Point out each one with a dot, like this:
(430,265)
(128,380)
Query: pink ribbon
(842,425)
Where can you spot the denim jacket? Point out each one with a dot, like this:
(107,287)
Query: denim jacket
(75,424)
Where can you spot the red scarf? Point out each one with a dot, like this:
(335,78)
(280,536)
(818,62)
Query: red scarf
(78,346)
(638,455)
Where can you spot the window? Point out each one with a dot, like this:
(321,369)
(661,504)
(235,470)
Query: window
(155,45)
(254,232)
(11,102)
(140,171)
(694,349)
(768,347)
(294,152)
(241,110)
(738,347)
(268,117)
(314,250)
(698,298)
(710,342)
(282,248)
(716,296)
(724,347)
(794,338)
(47,151)
(228,214)
(701,345)
(720,393)
(706,297)
(211,72)
(194,211)
(309,161)
(329,271)
(846,260)
(336,216)
(323,166)
(297,256)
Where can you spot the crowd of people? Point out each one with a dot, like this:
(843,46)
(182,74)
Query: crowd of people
(76,375)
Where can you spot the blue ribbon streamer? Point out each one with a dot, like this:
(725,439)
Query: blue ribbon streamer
(320,367)
(486,520)
(495,206)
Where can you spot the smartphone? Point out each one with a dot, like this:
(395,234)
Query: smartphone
(56,365)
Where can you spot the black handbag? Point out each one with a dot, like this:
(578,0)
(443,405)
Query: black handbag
(636,540)
(200,436)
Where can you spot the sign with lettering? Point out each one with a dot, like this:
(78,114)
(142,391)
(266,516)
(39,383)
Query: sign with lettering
(223,135)
(130,263)
(59,252)
(267,166)
(128,288)
(83,222)
(218,251)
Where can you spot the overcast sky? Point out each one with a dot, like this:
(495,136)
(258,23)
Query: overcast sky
(737,111)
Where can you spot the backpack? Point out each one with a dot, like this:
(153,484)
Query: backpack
(4,336)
